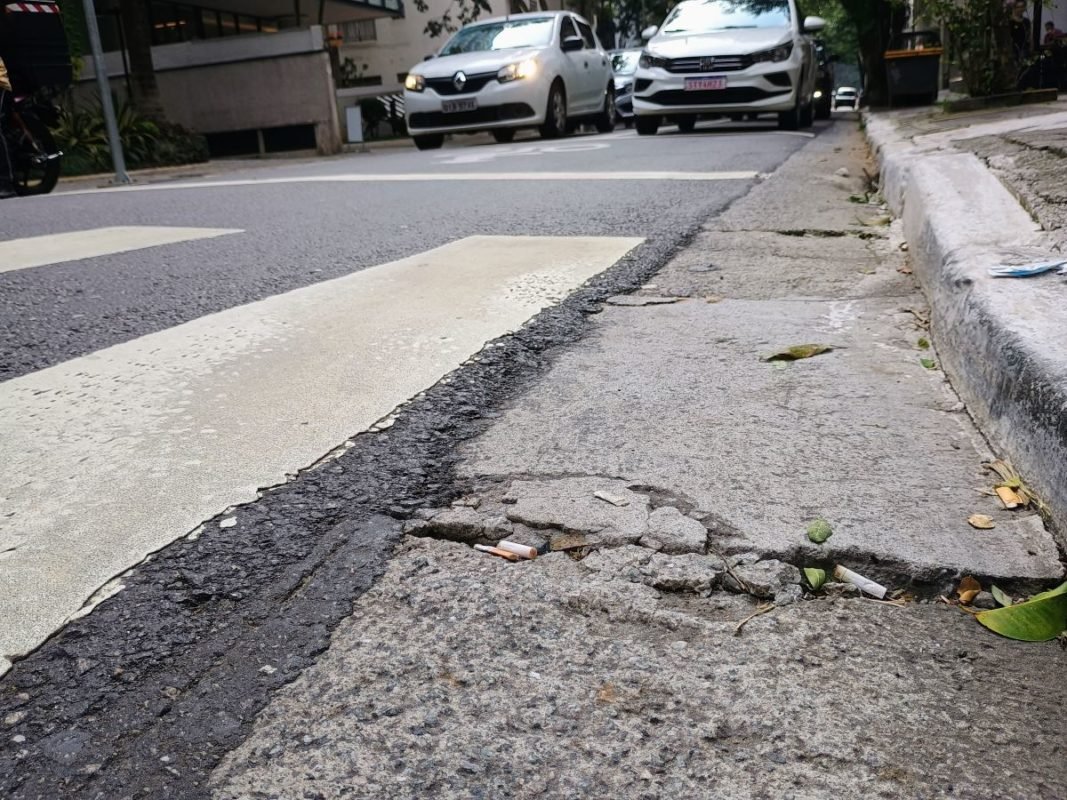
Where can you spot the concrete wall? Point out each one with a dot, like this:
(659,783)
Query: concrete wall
(243,83)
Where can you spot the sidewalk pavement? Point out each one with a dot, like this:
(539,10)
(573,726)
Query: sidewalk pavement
(665,645)
(977,190)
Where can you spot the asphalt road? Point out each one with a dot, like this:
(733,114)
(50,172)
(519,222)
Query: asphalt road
(171,661)
(299,233)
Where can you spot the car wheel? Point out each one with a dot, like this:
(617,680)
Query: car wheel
(646,126)
(605,120)
(807,113)
(790,120)
(686,124)
(429,141)
(555,114)
(628,123)
(504,135)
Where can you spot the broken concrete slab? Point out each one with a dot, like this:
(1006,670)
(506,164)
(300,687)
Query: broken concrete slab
(689,572)
(570,505)
(672,532)
(462,524)
(652,694)
(859,437)
(763,579)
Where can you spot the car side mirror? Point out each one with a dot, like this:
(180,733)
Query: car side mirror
(650,31)
(427,58)
(572,43)
(814,24)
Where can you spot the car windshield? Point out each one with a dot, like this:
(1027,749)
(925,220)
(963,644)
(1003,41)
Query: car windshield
(625,63)
(727,15)
(534,32)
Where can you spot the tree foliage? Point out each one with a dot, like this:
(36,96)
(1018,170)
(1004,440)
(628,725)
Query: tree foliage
(979,36)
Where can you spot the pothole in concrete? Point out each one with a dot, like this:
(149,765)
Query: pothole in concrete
(615,529)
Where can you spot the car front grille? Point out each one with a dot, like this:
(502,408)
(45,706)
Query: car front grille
(701,64)
(501,113)
(475,83)
(720,97)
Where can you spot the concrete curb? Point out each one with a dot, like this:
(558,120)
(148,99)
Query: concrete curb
(1001,341)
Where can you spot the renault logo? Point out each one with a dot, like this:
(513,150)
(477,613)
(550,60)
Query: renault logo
(707,64)
(459,81)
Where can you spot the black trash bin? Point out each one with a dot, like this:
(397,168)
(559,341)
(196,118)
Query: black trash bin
(913,68)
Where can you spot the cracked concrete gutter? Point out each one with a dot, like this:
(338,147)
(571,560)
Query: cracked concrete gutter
(658,461)
(1002,340)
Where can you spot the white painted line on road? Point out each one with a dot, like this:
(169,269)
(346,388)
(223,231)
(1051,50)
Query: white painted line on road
(108,457)
(406,177)
(39,251)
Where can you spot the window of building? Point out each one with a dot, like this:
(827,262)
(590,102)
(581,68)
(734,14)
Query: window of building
(362,30)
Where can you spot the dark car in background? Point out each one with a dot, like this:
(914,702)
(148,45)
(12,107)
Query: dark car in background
(824,81)
(624,64)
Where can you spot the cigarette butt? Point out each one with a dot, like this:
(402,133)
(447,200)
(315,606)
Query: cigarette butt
(864,584)
(1008,497)
(496,551)
(521,550)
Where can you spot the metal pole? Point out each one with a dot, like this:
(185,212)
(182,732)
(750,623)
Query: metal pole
(114,143)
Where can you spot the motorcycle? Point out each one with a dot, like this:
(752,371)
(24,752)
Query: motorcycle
(35,158)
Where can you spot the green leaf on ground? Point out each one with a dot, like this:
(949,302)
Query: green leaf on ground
(798,351)
(819,531)
(929,363)
(1042,617)
(1000,596)
(815,577)
(924,343)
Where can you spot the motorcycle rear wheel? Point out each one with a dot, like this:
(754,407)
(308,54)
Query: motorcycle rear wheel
(34,155)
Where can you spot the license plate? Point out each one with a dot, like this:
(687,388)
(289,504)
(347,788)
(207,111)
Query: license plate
(454,106)
(704,84)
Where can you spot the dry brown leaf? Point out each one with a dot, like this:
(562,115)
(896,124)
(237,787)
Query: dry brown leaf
(981,521)
(968,590)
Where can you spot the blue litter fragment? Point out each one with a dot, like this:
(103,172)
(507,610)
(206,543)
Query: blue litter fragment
(1026,270)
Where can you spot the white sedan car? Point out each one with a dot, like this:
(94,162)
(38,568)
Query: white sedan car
(727,57)
(541,70)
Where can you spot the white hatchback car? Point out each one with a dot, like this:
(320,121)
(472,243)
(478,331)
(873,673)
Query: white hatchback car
(541,70)
(727,57)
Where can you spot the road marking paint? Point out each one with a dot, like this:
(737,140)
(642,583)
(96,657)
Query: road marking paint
(108,457)
(405,177)
(39,251)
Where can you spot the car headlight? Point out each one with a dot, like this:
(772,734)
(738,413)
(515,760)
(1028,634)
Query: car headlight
(414,83)
(818,93)
(518,70)
(780,53)
(647,60)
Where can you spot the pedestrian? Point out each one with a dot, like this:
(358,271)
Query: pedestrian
(1053,35)
(1021,32)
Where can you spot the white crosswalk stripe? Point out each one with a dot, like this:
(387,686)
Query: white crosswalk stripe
(39,251)
(108,457)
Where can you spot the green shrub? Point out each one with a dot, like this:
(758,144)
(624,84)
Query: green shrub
(82,136)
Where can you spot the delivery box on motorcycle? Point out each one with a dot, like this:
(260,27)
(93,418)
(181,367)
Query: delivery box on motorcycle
(33,44)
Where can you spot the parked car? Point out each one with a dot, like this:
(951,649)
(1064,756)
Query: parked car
(541,70)
(824,81)
(624,64)
(727,57)
(846,97)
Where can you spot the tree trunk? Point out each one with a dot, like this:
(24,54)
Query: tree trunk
(877,22)
(136,28)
